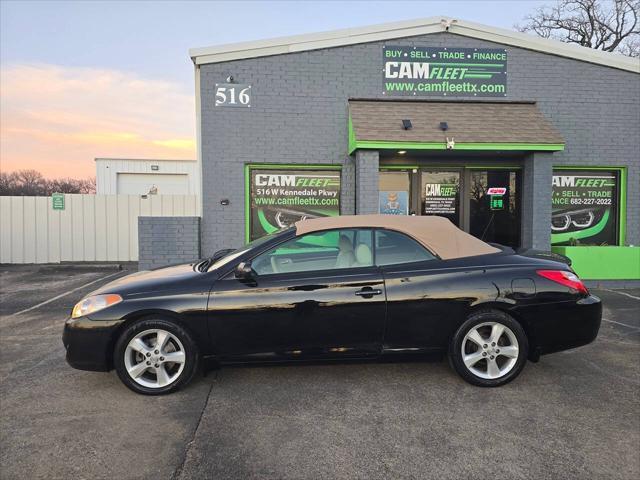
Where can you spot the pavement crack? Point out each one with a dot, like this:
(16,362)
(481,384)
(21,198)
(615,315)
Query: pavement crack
(178,471)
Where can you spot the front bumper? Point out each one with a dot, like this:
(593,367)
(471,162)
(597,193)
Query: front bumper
(89,343)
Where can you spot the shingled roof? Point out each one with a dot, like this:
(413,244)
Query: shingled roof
(473,125)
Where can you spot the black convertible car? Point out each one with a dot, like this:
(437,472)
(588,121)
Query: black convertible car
(361,287)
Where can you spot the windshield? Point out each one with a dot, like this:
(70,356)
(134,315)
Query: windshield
(241,251)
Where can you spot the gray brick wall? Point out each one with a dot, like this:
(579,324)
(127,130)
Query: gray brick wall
(536,200)
(367,184)
(299,115)
(166,241)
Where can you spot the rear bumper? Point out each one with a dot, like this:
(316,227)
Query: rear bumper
(561,326)
(89,343)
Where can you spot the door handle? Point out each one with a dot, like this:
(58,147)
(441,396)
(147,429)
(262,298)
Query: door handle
(368,292)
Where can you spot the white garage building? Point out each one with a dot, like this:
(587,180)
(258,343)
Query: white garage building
(144,176)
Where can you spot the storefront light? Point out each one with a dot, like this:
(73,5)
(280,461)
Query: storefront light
(401,152)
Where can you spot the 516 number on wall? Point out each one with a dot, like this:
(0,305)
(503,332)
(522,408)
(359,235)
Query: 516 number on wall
(233,95)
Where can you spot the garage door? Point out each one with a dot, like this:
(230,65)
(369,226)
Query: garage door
(141,183)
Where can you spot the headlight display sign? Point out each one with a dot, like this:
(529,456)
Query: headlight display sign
(585,208)
(279,198)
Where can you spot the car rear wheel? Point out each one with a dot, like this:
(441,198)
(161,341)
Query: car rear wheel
(155,356)
(489,349)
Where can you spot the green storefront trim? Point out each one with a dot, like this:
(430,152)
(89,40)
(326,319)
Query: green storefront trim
(522,147)
(353,145)
(431,166)
(271,166)
(603,263)
(384,168)
(493,167)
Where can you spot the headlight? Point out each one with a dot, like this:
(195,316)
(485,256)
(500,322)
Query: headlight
(575,220)
(94,304)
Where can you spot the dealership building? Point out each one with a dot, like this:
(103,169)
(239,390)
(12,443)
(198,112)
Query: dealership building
(519,140)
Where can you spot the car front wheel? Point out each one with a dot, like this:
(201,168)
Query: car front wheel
(155,356)
(489,349)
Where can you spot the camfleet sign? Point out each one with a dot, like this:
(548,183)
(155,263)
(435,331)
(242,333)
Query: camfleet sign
(444,71)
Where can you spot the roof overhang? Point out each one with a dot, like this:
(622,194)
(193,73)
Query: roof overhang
(472,125)
(403,29)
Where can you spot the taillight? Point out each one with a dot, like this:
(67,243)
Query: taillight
(568,279)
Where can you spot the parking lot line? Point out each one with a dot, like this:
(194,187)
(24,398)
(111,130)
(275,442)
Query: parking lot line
(620,323)
(62,295)
(622,293)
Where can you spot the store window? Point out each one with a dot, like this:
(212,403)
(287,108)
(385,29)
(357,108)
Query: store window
(585,207)
(280,197)
(393,191)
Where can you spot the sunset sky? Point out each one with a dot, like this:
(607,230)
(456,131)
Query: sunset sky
(81,80)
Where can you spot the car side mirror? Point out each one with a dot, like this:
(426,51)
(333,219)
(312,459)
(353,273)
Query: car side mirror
(244,271)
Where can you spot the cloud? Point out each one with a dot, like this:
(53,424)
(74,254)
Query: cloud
(58,119)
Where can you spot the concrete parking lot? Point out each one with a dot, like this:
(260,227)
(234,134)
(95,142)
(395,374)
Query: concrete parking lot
(573,415)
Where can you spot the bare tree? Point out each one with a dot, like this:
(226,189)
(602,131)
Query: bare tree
(88,185)
(69,185)
(33,183)
(7,183)
(609,25)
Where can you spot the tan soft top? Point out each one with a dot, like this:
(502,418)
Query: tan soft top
(438,234)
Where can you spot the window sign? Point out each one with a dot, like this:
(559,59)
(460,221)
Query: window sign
(442,71)
(440,198)
(585,207)
(279,198)
(441,194)
(233,95)
(495,194)
(394,202)
(393,193)
(496,202)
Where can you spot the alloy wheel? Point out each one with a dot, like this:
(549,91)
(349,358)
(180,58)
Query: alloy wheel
(490,350)
(154,358)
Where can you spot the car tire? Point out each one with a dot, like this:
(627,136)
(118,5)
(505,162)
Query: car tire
(149,369)
(489,349)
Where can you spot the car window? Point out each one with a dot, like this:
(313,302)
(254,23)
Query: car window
(346,248)
(395,248)
(240,251)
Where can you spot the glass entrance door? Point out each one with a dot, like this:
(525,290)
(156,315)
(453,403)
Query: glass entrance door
(482,202)
(440,194)
(494,206)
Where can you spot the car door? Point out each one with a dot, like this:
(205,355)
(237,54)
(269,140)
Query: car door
(420,302)
(316,295)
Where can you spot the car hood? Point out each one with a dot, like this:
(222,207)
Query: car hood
(150,280)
